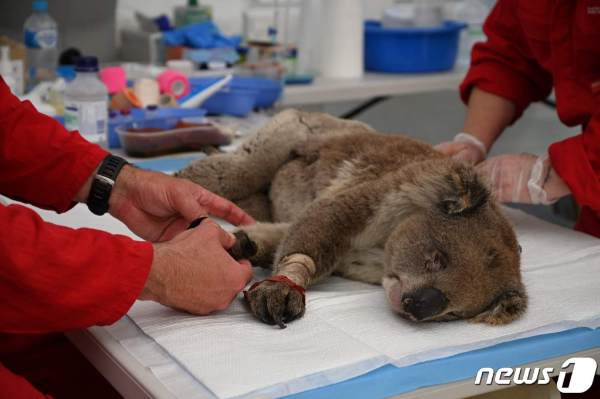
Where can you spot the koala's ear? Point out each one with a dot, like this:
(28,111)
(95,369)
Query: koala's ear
(506,307)
(465,191)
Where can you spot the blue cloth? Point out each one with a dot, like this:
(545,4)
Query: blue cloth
(202,35)
(390,380)
(166,164)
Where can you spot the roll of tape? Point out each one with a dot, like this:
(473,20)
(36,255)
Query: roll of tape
(125,99)
(147,91)
(167,100)
(174,82)
(114,79)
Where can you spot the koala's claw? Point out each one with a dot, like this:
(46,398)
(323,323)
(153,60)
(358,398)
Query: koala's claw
(275,303)
(244,247)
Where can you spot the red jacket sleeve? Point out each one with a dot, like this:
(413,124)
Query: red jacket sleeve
(577,161)
(41,162)
(53,278)
(504,65)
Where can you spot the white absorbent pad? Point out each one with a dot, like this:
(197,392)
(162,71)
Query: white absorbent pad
(349,329)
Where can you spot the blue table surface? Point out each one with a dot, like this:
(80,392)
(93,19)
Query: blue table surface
(390,380)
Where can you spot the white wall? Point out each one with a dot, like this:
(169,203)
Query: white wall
(227,14)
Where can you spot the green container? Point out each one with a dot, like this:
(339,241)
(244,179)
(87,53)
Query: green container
(193,13)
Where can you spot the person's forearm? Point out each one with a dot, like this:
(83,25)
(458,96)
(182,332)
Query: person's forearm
(55,278)
(488,115)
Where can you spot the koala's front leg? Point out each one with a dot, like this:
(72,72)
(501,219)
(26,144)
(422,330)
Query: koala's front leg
(315,243)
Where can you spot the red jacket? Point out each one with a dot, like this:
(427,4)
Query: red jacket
(53,278)
(533,45)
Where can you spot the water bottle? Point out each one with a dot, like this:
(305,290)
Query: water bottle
(41,39)
(86,102)
(474,14)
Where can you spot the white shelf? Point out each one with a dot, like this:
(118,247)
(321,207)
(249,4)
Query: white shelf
(371,85)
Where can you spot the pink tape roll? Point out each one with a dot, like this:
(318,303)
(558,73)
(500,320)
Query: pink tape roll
(174,82)
(114,79)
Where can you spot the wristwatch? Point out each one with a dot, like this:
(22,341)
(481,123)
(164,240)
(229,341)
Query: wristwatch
(103,183)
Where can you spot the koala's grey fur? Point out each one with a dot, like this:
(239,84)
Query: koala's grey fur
(334,197)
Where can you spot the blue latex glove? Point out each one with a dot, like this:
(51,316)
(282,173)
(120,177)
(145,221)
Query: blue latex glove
(203,35)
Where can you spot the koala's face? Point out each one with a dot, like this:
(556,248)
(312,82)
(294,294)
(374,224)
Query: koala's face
(441,266)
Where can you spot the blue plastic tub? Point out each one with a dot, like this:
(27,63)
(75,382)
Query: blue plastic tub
(264,91)
(268,90)
(231,101)
(411,49)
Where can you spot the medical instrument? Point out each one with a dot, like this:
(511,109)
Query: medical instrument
(197,99)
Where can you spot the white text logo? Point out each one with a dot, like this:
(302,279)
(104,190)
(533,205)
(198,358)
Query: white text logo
(582,375)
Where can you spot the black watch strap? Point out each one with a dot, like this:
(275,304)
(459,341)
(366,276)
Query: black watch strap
(103,183)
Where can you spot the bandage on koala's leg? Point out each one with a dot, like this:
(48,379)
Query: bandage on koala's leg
(297,267)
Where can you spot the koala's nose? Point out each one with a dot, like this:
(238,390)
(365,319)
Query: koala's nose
(424,303)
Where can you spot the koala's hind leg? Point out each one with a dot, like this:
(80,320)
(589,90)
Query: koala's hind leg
(259,242)
(255,163)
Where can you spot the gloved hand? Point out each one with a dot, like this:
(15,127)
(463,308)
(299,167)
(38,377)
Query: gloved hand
(465,148)
(524,178)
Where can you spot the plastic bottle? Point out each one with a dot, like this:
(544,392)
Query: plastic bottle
(6,69)
(86,102)
(474,14)
(41,40)
(193,13)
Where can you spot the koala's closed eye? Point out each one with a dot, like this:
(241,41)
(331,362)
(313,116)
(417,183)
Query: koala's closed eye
(437,261)
(493,259)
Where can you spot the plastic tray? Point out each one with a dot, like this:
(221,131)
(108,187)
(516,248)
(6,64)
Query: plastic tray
(170,140)
(411,49)
(137,114)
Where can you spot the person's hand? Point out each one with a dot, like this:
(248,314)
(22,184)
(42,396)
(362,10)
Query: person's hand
(465,148)
(524,178)
(193,272)
(157,207)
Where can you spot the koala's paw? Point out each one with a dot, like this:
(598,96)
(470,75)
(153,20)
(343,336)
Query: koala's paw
(275,303)
(244,247)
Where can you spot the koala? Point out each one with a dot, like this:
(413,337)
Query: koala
(334,197)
